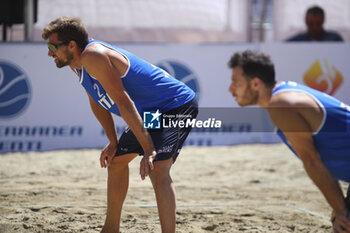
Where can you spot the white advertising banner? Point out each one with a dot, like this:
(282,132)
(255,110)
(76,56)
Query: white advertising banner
(41,107)
(45,108)
(322,66)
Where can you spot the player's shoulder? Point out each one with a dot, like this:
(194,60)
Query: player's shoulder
(99,52)
(282,100)
(92,50)
(282,106)
(93,54)
(292,97)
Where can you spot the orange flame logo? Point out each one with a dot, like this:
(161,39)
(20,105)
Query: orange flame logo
(325,80)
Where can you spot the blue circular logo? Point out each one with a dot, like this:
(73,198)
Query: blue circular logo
(14,90)
(182,73)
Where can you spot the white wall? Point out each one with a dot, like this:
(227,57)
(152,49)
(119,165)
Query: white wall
(181,21)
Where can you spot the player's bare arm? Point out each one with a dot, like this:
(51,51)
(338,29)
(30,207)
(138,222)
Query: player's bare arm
(287,114)
(106,120)
(105,65)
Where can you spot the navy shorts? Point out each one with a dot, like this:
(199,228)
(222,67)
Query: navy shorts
(167,141)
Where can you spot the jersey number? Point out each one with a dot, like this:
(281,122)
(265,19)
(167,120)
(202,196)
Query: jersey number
(104,100)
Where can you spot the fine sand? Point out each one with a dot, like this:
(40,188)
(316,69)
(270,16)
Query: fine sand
(246,188)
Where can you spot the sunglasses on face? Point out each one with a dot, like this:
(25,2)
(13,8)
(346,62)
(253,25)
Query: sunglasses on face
(53,47)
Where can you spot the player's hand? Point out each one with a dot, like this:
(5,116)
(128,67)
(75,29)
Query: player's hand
(107,155)
(146,164)
(341,224)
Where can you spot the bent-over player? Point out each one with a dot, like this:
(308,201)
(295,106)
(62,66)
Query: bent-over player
(314,125)
(119,82)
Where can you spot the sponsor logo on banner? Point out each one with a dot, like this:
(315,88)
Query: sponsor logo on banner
(15,97)
(183,73)
(322,77)
(15,91)
(33,138)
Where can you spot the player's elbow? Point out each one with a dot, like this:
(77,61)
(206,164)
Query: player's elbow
(123,100)
(311,162)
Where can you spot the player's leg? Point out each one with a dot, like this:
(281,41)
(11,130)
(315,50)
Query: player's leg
(168,143)
(118,179)
(117,187)
(165,194)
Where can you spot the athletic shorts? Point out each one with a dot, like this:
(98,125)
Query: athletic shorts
(167,141)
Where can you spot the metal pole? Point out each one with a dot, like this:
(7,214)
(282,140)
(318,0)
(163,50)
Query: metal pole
(4,32)
(262,21)
(250,28)
(28,19)
(228,15)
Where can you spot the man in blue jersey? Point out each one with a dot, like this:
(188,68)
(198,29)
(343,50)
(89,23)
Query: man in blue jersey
(119,82)
(313,124)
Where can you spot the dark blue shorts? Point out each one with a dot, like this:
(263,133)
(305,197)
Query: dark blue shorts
(167,141)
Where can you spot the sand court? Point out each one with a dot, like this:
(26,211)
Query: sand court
(245,188)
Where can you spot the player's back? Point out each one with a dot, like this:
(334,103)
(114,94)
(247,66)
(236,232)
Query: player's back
(150,87)
(332,139)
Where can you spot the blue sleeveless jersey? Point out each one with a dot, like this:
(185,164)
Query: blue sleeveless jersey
(150,87)
(332,139)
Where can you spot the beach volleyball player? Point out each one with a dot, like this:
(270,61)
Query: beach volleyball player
(119,82)
(314,125)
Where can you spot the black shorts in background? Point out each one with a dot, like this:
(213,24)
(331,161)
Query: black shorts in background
(167,141)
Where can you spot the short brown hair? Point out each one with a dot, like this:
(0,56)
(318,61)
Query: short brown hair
(67,29)
(255,64)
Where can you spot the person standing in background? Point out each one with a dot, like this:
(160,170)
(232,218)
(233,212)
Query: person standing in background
(314,20)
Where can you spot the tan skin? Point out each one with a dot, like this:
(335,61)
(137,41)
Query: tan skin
(298,111)
(108,66)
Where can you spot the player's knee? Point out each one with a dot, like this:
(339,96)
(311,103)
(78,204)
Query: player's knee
(121,162)
(117,166)
(161,170)
(158,174)
(159,179)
